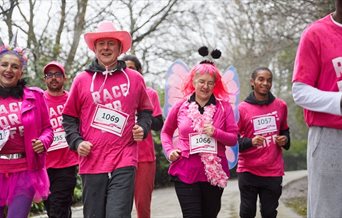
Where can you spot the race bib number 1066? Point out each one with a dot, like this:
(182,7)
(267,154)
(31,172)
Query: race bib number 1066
(202,143)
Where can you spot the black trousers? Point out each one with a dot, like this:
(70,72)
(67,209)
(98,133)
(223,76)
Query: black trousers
(62,184)
(267,188)
(199,200)
(108,195)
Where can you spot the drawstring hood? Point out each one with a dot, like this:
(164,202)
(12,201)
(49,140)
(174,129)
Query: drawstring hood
(96,68)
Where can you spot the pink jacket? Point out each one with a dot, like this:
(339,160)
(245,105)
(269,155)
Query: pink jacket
(36,122)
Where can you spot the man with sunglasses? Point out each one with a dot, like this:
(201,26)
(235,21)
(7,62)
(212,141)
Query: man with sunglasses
(61,162)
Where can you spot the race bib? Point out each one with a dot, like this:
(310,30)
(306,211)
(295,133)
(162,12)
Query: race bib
(264,124)
(4,135)
(109,120)
(202,143)
(59,141)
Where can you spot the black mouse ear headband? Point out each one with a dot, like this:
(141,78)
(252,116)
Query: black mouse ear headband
(204,51)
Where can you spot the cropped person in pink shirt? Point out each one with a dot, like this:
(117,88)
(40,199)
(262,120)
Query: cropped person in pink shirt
(25,136)
(317,87)
(100,122)
(264,133)
(205,123)
(146,170)
(61,162)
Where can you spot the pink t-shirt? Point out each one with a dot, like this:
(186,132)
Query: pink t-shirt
(10,118)
(121,96)
(59,155)
(268,121)
(319,64)
(146,147)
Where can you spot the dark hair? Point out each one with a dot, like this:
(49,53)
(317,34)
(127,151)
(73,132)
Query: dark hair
(256,71)
(135,60)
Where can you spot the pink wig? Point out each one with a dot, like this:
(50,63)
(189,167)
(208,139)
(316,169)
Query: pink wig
(219,90)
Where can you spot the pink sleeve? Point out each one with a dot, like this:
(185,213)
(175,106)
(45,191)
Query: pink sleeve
(144,103)
(73,104)
(284,125)
(156,104)
(168,129)
(46,136)
(241,122)
(227,135)
(307,63)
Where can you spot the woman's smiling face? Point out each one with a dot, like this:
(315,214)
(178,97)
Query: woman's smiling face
(10,70)
(204,85)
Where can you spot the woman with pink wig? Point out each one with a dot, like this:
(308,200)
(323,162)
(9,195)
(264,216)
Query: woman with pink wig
(205,123)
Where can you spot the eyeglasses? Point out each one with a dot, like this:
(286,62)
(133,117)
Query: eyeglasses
(203,82)
(50,75)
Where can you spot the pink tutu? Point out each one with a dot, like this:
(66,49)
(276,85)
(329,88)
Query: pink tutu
(24,183)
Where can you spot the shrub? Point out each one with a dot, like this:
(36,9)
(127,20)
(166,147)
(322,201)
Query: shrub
(295,157)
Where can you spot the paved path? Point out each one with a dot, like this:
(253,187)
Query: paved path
(165,203)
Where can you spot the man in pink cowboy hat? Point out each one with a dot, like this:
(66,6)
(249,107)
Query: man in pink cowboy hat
(99,121)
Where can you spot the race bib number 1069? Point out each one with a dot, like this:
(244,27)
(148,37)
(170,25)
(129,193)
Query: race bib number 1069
(109,120)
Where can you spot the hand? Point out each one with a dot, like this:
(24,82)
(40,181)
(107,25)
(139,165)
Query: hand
(258,141)
(84,148)
(174,155)
(38,146)
(208,129)
(138,133)
(281,140)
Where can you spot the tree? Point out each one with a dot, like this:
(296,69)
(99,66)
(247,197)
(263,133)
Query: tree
(6,11)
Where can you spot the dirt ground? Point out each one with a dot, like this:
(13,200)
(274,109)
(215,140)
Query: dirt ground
(297,188)
(295,195)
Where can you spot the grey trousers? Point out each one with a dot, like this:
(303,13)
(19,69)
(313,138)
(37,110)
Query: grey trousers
(108,195)
(324,159)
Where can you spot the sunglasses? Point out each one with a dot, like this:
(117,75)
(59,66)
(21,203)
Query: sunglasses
(50,75)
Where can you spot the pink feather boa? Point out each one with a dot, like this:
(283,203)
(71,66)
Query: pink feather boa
(212,163)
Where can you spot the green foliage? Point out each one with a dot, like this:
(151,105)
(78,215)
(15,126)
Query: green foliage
(37,208)
(162,178)
(298,204)
(295,157)
(77,198)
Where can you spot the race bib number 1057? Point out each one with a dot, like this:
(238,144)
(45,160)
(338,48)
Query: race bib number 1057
(264,124)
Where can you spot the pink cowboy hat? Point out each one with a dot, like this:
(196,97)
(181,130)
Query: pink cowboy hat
(106,29)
